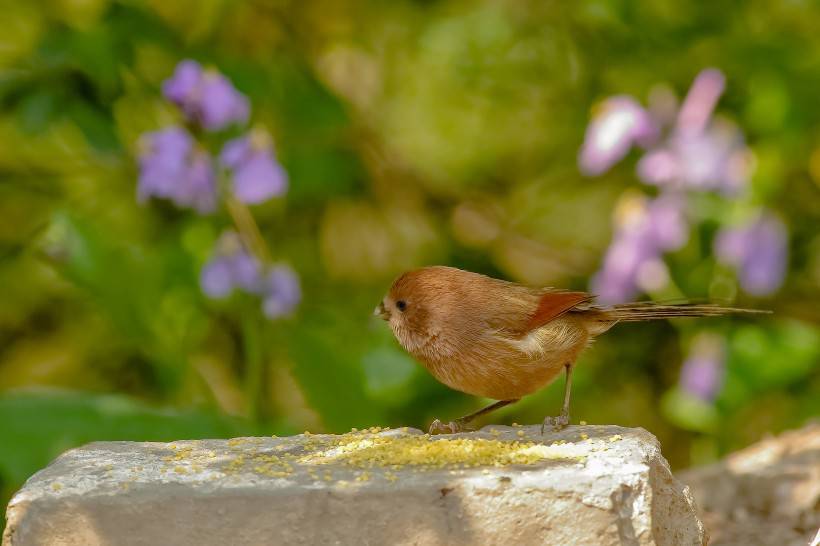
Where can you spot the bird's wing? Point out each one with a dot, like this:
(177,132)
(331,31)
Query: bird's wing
(553,304)
(523,309)
(536,332)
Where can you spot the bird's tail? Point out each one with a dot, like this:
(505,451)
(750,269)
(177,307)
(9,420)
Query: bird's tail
(633,312)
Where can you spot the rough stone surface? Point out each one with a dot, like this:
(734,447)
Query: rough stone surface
(585,485)
(768,493)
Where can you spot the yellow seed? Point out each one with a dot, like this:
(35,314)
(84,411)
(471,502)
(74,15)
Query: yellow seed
(423,453)
(583,423)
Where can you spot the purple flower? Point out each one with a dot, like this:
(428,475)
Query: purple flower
(247,272)
(697,152)
(257,176)
(703,371)
(197,190)
(668,227)
(701,100)
(700,153)
(619,124)
(183,87)
(758,250)
(216,278)
(645,229)
(163,161)
(223,274)
(617,280)
(715,159)
(281,291)
(206,96)
(230,268)
(172,168)
(233,268)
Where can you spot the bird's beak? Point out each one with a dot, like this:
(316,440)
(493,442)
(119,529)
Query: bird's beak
(380,311)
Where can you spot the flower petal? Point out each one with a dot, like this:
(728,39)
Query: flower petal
(258,179)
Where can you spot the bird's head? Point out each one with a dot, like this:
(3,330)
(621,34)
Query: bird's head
(416,306)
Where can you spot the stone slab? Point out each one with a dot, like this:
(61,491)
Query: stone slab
(502,485)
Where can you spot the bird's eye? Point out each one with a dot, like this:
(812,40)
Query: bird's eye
(401,304)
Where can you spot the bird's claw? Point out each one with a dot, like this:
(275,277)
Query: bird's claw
(557,423)
(453,427)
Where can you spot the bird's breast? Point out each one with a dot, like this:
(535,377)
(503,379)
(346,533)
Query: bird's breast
(501,367)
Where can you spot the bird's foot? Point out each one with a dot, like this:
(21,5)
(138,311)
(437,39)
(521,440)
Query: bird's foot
(453,427)
(557,423)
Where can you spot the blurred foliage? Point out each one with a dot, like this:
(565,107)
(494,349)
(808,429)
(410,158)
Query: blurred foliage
(413,133)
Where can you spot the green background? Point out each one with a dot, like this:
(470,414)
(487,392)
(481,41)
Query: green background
(413,133)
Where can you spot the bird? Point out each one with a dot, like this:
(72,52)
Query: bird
(502,340)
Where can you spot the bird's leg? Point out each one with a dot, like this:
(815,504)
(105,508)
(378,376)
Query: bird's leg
(437,427)
(562,420)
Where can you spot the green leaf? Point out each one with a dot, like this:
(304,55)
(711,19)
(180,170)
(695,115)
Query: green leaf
(328,355)
(768,356)
(388,374)
(150,297)
(36,426)
(689,412)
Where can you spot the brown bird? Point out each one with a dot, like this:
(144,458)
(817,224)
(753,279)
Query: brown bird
(502,340)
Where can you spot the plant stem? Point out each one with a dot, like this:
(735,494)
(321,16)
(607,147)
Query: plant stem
(252,238)
(254,362)
(248,230)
